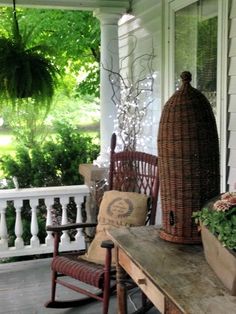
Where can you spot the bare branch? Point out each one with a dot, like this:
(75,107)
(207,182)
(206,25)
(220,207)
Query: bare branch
(132,96)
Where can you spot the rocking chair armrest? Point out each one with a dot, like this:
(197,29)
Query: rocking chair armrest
(107,244)
(59,228)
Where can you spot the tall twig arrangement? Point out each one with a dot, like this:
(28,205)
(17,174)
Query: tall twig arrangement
(132,96)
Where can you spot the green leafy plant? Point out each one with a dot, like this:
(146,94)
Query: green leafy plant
(54,163)
(25,71)
(220,219)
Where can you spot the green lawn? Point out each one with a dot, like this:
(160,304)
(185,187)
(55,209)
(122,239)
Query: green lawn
(7,145)
(6,142)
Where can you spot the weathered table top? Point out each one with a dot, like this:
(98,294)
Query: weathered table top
(180,271)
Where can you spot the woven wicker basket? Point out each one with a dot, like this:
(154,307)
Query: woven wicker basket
(188,154)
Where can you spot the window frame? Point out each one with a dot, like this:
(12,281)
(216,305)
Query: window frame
(171,6)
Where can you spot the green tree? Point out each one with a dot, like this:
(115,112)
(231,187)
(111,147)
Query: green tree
(28,123)
(76,36)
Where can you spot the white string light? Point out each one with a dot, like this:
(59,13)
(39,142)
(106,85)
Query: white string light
(132,97)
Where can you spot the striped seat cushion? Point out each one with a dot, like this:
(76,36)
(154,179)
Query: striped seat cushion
(73,266)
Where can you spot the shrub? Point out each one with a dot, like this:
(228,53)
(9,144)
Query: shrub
(52,164)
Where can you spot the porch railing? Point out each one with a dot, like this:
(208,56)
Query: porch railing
(33,195)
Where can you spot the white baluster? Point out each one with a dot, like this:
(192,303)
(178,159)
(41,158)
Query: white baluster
(19,242)
(34,229)
(3,227)
(65,239)
(79,234)
(49,237)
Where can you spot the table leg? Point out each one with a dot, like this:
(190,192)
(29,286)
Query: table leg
(121,288)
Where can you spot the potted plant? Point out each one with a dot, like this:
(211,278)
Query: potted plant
(25,71)
(217,222)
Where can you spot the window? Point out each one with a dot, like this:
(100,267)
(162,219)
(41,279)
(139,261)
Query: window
(196,41)
(196,46)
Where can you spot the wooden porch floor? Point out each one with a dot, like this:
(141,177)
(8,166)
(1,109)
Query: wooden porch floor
(25,287)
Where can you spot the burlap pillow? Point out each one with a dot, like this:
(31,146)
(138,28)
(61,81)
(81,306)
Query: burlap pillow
(116,209)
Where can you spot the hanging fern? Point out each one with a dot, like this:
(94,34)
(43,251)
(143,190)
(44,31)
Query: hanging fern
(25,72)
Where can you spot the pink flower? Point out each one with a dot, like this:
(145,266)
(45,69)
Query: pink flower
(228,195)
(227,201)
(222,205)
(232,200)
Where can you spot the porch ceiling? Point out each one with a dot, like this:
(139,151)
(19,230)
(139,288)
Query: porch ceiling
(70,4)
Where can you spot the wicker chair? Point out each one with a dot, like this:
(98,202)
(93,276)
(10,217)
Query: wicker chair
(130,171)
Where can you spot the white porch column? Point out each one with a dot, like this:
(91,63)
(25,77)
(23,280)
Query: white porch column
(109,60)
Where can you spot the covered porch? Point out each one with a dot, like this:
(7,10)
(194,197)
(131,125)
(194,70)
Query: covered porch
(25,286)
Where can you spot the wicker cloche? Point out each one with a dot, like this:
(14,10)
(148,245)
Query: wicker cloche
(188,157)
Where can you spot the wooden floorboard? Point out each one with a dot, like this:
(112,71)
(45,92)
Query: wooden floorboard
(25,287)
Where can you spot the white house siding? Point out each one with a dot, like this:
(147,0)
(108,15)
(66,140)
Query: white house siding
(232,99)
(144,26)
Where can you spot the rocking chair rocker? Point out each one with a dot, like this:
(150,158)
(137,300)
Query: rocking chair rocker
(130,171)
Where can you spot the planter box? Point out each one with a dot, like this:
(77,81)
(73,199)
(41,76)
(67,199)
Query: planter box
(220,259)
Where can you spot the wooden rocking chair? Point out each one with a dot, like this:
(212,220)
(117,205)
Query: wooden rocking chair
(130,171)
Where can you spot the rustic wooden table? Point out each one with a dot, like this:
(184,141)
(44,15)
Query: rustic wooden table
(175,277)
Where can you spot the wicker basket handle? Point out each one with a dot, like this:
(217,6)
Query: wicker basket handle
(171,218)
(186,77)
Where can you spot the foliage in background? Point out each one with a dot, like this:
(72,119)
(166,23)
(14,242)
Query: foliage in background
(83,113)
(76,36)
(32,125)
(28,123)
(54,163)
(26,70)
